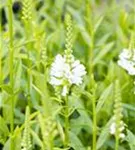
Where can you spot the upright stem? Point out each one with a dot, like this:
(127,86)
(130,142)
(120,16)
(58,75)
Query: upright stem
(134,15)
(116,143)
(11,41)
(91,34)
(27,32)
(11,57)
(66,122)
(94,123)
(0,46)
(38,40)
(51,144)
(90,68)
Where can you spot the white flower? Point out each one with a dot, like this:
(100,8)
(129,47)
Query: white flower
(127,61)
(65,74)
(113,128)
(78,71)
(58,67)
(55,81)
(121,129)
(122,135)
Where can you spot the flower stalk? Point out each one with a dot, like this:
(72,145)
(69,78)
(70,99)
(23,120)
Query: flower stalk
(118,126)
(0,47)
(94,123)
(66,122)
(27,28)
(90,69)
(26,17)
(90,29)
(65,72)
(93,98)
(11,59)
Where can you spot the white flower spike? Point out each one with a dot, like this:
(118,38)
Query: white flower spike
(127,61)
(65,70)
(65,74)
(121,129)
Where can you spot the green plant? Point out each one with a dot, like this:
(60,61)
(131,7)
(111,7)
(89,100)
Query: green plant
(61,82)
(26,143)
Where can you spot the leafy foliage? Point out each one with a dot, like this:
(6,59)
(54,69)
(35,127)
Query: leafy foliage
(100,30)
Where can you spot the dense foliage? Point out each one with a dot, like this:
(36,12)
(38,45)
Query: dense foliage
(97,111)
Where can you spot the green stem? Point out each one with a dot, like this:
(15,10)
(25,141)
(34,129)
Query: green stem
(116,143)
(0,47)
(94,123)
(11,57)
(51,144)
(91,67)
(91,54)
(90,29)
(66,122)
(39,47)
(134,17)
(27,32)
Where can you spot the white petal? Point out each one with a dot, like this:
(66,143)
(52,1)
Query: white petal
(57,67)
(79,70)
(125,54)
(122,128)
(66,68)
(59,58)
(122,135)
(62,71)
(127,65)
(55,81)
(79,73)
(76,63)
(55,73)
(77,80)
(113,128)
(131,70)
(127,60)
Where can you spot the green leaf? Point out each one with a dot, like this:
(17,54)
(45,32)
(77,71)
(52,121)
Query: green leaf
(75,142)
(98,23)
(83,120)
(36,138)
(85,35)
(18,73)
(7,89)
(131,139)
(106,93)
(104,135)
(102,52)
(4,132)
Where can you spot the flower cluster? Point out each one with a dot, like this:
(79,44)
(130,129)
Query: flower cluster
(121,128)
(127,60)
(65,70)
(117,127)
(64,73)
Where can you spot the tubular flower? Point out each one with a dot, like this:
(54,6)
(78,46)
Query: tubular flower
(121,129)
(127,60)
(118,126)
(65,74)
